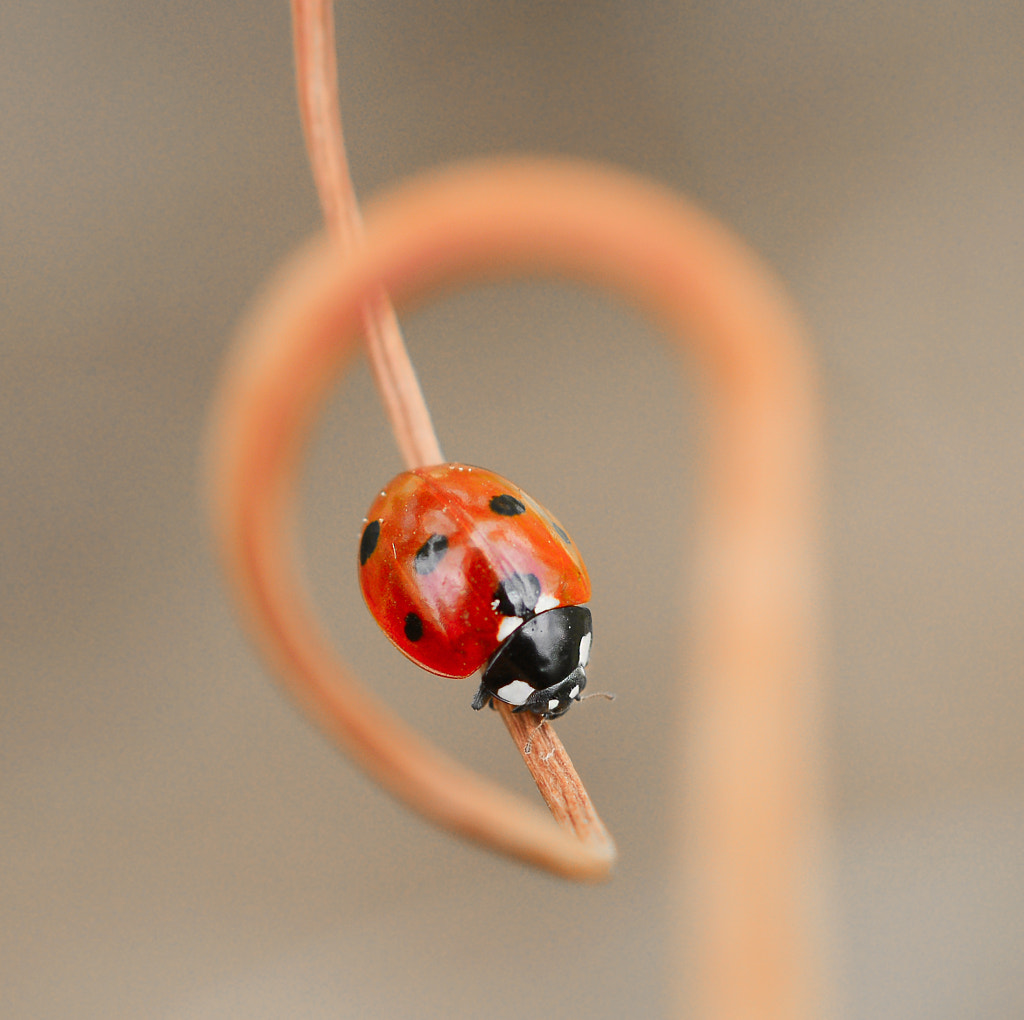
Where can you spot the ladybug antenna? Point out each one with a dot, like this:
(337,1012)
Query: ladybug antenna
(607,695)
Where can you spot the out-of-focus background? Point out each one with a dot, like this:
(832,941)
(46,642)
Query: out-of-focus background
(175,841)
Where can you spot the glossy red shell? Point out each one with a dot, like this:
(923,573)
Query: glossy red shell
(456,602)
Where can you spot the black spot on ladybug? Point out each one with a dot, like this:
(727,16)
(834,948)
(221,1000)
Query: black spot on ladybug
(561,534)
(517,595)
(430,554)
(507,506)
(371,533)
(413,627)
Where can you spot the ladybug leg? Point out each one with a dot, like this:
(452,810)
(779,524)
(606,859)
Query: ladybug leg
(482,699)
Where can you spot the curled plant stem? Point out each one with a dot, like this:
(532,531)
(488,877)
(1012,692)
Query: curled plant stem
(748,773)
(746,778)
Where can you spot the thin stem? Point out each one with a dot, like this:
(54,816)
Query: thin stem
(317,82)
(555,776)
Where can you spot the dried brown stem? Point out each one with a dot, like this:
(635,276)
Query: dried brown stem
(748,775)
(555,776)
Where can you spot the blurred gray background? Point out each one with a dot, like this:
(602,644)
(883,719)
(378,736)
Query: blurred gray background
(175,841)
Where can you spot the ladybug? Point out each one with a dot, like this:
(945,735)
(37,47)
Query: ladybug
(464,571)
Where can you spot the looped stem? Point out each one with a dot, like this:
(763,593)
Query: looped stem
(749,775)
(500,219)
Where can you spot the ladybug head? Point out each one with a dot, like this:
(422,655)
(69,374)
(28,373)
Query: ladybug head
(540,666)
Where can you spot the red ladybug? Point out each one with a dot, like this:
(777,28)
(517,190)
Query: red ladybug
(463,571)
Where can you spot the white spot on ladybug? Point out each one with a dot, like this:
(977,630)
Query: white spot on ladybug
(545,602)
(552,705)
(585,650)
(575,691)
(515,693)
(508,625)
